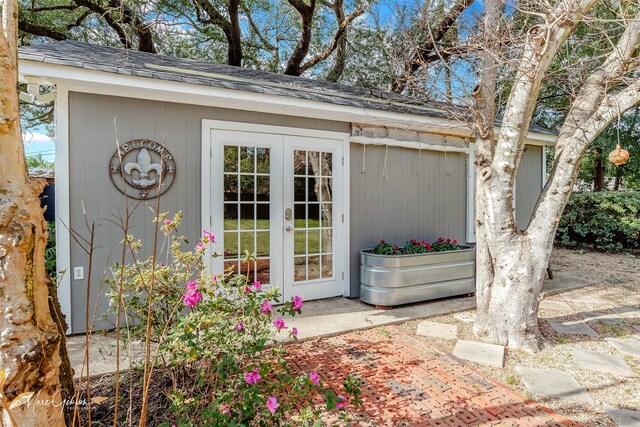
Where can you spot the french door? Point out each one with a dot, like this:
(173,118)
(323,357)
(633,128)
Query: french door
(280,198)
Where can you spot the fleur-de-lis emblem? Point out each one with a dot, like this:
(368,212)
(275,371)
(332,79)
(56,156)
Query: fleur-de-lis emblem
(144,167)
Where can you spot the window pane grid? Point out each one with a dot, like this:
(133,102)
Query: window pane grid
(313,225)
(246,210)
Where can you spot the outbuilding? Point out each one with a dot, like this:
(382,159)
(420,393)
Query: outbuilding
(302,172)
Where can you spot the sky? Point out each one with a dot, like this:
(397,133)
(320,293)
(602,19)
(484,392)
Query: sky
(36,141)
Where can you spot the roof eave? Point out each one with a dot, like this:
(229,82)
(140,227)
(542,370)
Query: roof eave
(107,83)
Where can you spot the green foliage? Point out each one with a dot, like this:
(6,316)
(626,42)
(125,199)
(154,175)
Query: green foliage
(50,252)
(608,221)
(216,336)
(38,162)
(416,247)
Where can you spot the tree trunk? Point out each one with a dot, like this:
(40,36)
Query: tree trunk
(509,313)
(618,179)
(30,338)
(598,170)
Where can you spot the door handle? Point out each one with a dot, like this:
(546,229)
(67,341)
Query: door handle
(289,228)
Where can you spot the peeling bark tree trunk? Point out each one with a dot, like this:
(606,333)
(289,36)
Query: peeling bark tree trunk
(511,263)
(30,338)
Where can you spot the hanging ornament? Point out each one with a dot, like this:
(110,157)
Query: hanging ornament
(619,156)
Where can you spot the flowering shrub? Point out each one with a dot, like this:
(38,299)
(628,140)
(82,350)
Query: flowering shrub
(216,334)
(416,247)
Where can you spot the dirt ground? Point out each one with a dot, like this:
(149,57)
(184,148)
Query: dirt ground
(618,285)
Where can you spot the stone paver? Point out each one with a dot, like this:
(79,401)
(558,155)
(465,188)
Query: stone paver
(599,362)
(555,304)
(467,316)
(611,319)
(575,328)
(624,417)
(438,330)
(405,383)
(626,346)
(479,352)
(636,327)
(553,384)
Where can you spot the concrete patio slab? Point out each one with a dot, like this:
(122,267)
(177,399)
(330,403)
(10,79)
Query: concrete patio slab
(102,352)
(599,362)
(636,327)
(624,417)
(611,319)
(479,352)
(553,384)
(628,312)
(334,316)
(555,304)
(626,346)
(584,299)
(466,317)
(438,330)
(573,327)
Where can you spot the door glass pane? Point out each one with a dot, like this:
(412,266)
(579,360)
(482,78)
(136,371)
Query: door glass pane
(246,210)
(313,211)
(230,158)
(247,187)
(314,267)
(230,187)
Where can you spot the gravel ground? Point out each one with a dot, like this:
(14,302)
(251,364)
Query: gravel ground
(618,285)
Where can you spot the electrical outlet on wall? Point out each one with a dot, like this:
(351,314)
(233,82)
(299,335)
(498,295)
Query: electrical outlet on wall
(78,273)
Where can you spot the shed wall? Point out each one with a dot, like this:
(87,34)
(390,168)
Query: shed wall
(408,205)
(92,142)
(528,184)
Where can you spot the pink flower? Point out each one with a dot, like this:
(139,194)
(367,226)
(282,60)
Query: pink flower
(279,323)
(240,326)
(455,242)
(167,222)
(315,378)
(192,285)
(266,307)
(382,242)
(200,246)
(342,401)
(247,289)
(208,236)
(252,377)
(224,410)
(428,246)
(191,298)
(272,404)
(294,332)
(257,285)
(297,303)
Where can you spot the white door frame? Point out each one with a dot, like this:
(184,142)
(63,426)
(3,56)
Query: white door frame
(208,179)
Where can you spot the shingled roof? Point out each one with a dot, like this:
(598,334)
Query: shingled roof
(155,66)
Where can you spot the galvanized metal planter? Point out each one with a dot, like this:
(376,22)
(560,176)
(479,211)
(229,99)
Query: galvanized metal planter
(390,280)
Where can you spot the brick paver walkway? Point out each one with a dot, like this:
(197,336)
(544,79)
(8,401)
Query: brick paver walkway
(404,383)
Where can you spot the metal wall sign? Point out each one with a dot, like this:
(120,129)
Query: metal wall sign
(142,169)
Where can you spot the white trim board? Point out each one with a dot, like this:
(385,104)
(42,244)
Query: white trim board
(63,237)
(208,222)
(99,82)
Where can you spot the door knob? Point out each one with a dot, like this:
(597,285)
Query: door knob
(289,228)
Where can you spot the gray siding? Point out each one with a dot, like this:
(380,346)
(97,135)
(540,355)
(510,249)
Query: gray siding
(424,206)
(91,145)
(528,184)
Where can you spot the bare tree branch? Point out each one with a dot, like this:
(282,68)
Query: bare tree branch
(425,54)
(339,41)
(38,30)
(302,48)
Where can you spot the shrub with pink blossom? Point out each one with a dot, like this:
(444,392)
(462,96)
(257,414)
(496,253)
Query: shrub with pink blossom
(216,337)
